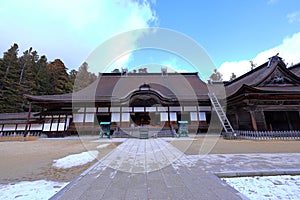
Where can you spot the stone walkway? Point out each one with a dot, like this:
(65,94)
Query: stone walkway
(154,169)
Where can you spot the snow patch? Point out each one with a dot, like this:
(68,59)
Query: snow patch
(112,140)
(31,190)
(169,139)
(102,146)
(75,159)
(267,187)
(113,174)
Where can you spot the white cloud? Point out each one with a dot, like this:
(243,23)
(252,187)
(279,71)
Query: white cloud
(236,67)
(69,29)
(293,17)
(288,50)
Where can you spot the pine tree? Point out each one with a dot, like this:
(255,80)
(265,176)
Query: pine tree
(72,77)
(59,77)
(10,100)
(83,77)
(30,74)
(27,81)
(42,77)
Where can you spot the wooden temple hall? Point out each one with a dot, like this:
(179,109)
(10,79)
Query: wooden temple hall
(266,98)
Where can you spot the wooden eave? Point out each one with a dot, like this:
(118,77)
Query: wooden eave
(248,92)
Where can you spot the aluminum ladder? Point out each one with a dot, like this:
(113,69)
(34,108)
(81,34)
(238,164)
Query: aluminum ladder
(220,112)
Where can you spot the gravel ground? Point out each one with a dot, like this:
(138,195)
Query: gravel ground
(33,160)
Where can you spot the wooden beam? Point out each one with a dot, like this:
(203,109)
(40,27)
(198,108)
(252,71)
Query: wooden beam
(27,122)
(254,125)
(264,120)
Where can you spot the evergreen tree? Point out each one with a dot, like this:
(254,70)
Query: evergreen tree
(10,100)
(72,77)
(32,74)
(58,77)
(27,82)
(42,77)
(83,77)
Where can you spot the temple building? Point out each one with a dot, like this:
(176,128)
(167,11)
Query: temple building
(265,98)
(128,101)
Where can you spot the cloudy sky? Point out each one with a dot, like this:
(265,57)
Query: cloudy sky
(232,32)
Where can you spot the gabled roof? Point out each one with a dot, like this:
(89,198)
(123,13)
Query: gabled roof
(182,86)
(271,76)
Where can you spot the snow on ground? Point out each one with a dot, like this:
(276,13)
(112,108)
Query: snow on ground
(75,159)
(31,190)
(168,139)
(102,146)
(267,187)
(112,140)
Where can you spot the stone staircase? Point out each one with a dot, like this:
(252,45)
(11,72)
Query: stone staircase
(136,132)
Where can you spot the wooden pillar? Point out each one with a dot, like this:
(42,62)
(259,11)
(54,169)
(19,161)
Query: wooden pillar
(51,122)
(27,122)
(65,126)
(58,121)
(254,125)
(169,122)
(237,120)
(288,120)
(264,120)
(84,113)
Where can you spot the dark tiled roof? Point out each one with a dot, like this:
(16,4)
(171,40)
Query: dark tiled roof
(260,75)
(183,86)
(295,69)
(13,118)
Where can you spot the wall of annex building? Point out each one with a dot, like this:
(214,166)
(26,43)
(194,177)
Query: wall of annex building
(8,129)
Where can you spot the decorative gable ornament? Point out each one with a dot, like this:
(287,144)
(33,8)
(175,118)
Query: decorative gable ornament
(278,78)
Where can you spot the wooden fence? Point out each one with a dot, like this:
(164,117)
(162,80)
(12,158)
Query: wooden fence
(264,135)
(19,133)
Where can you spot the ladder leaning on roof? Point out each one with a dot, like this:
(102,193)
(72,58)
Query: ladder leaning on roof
(220,112)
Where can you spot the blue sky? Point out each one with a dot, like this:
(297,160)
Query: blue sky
(232,32)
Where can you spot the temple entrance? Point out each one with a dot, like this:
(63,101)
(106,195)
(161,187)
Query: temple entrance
(104,117)
(141,118)
(144,109)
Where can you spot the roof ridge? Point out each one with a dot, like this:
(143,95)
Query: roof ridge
(246,74)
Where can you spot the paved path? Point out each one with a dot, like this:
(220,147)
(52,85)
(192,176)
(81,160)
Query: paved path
(154,169)
(146,169)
